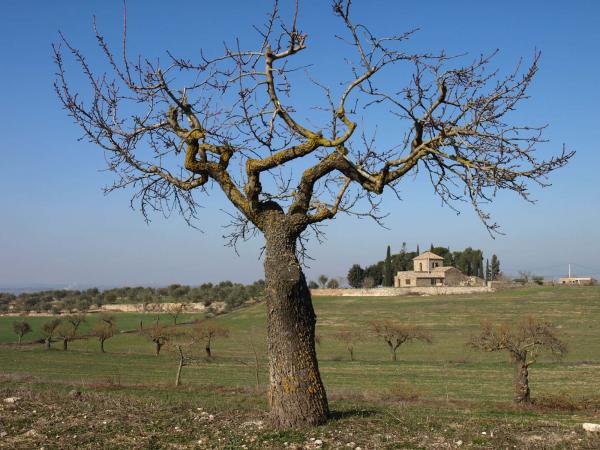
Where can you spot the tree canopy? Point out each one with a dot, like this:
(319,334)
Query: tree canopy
(453,116)
(172,129)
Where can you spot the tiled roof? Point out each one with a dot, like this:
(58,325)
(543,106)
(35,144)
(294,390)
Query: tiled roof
(428,255)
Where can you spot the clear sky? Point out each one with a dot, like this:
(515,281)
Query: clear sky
(57,227)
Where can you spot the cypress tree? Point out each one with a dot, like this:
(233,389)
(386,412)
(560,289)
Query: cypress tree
(402,258)
(480,274)
(388,271)
(495,269)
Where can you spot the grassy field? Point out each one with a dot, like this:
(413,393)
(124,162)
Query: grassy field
(442,383)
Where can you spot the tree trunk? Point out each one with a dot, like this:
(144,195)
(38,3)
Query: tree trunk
(296,393)
(351,350)
(20,338)
(65,344)
(522,394)
(178,375)
(158,346)
(393,351)
(207,350)
(102,345)
(48,343)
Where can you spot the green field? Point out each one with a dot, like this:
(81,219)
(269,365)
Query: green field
(445,377)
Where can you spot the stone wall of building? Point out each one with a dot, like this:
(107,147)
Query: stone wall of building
(395,292)
(454,277)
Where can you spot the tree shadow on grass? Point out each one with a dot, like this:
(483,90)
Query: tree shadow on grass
(353,413)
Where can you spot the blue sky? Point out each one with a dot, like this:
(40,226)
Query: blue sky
(57,227)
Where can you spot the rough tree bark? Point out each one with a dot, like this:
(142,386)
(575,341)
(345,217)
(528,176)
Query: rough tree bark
(102,345)
(296,393)
(65,344)
(207,348)
(522,394)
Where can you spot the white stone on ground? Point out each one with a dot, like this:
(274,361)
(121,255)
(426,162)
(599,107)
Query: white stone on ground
(592,427)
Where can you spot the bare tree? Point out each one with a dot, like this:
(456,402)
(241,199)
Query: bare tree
(67,330)
(174,310)
(184,343)
(181,364)
(323,280)
(349,338)
(525,276)
(49,330)
(244,136)
(104,329)
(76,320)
(206,331)
(158,334)
(395,334)
(333,284)
(21,328)
(524,342)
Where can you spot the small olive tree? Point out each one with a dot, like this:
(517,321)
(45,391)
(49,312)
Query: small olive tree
(49,330)
(349,338)
(76,320)
(66,333)
(68,329)
(524,342)
(183,341)
(395,334)
(104,329)
(175,310)
(21,328)
(207,331)
(157,333)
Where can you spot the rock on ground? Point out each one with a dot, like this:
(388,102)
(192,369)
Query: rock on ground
(592,427)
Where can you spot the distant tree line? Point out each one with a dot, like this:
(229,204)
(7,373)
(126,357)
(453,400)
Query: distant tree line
(233,294)
(324,282)
(469,261)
